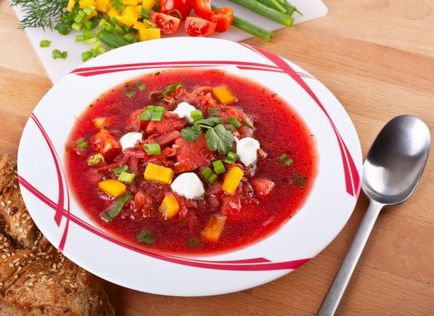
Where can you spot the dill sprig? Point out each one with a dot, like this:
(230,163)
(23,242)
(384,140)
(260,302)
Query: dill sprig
(41,13)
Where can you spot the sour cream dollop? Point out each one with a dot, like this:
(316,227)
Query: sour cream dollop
(130,140)
(188,185)
(247,150)
(183,110)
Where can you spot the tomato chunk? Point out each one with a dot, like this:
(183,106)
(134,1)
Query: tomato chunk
(192,155)
(166,23)
(199,27)
(170,122)
(263,186)
(181,8)
(223,17)
(202,8)
(105,143)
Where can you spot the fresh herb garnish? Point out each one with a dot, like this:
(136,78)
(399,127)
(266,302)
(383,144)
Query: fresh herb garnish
(286,160)
(208,122)
(116,207)
(95,160)
(152,149)
(152,113)
(219,167)
(190,134)
(298,179)
(194,242)
(81,143)
(145,236)
(219,139)
(196,115)
(235,123)
(140,85)
(129,92)
(126,177)
(170,88)
(117,171)
(57,54)
(215,111)
(231,157)
(44,43)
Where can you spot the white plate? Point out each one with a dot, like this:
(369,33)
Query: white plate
(58,215)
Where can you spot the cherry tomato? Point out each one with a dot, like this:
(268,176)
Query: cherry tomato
(177,8)
(202,8)
(166,23)
(223,17)
(105,143)
(199,27)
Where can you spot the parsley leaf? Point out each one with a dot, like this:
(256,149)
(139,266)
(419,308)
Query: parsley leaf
(219,139)
(190,134)
(208,122)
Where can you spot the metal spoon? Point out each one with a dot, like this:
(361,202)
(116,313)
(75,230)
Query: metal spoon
(391,172)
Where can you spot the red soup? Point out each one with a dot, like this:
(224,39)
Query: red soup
(190,161)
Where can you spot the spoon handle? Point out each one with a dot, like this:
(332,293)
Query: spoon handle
(336,291)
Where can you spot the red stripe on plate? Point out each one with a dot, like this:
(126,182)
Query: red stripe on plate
(254,264)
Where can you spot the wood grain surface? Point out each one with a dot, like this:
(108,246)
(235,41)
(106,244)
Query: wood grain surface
(377,57)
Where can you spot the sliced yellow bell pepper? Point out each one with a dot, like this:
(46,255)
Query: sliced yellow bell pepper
(158,173)
(214,227)
(223,95)
(112,187)
(113,13)
(89,16)
(129,16)
(71,5)
(148,4)
(149,34)
(102,5)
(139,26)
(169,207)
(86,3)
(232,180)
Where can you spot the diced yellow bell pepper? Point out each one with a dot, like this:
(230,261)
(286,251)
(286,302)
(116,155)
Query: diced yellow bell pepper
(86,3)
(148,4)
(129,2)
(138,9)
(223,95)
(139,26)
(214,227)
(129,16)
(102,5)
(158,173)
(149,34)
(112,187)
(232,180)
(71,5)
(169,207)
(89,16)
(99,122)
(113,13)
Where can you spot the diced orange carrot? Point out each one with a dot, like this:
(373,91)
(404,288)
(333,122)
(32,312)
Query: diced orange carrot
(169,207)
(112,187)
(214,227)
(158,173)
(232,180)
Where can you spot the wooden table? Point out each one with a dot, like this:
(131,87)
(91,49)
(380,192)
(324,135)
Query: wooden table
(377,56)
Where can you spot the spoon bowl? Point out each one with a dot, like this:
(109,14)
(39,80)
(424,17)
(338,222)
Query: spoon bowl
(396,160)
(391,172)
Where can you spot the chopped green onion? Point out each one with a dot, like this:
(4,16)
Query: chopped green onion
(79,17)
(62,28)
(219,167)
(157,116)
(152,113)
(233,120)
(88,34)
(231,157)
(126,177)
(111,39)
(145,236)
(81,143)
(196,115)
(212,178)
(299,179)
(286,160)
(88,25)
(86,55)
(207,173)
(116,207)
(44,43)
(152,149)
(140,85)
(57,54)
(145,14)
(129,93)
(270,13)
(95,160)
(117,171)
(194,242)
(79,38)
(129,37)
(170,88)
(118,5)
(248,122)
(76,26)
